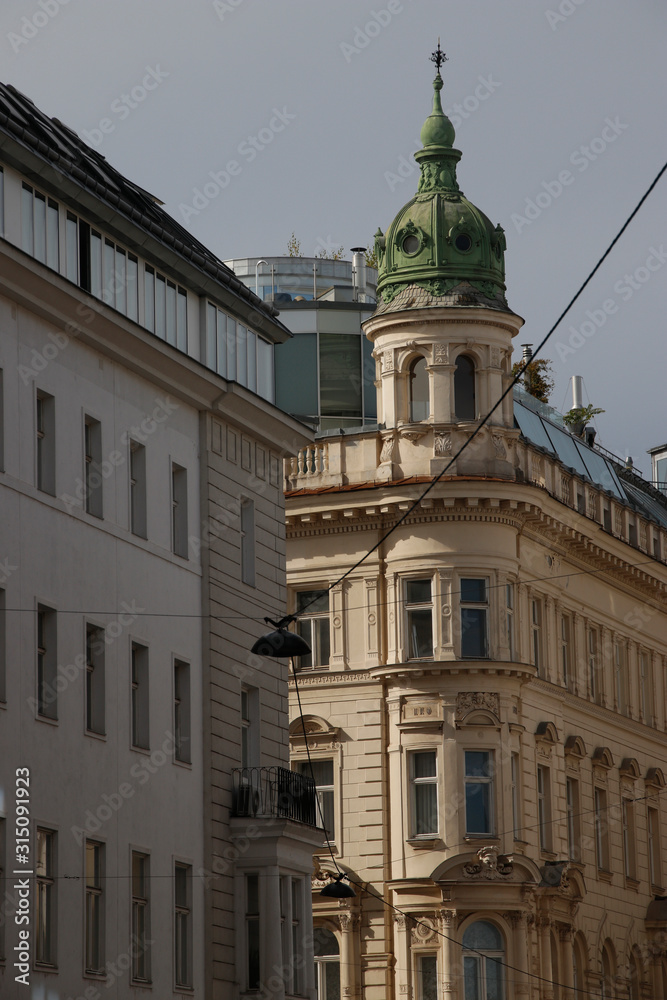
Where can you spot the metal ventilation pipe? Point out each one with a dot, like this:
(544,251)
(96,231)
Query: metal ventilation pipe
(358,273)
(577,392)
(527,353)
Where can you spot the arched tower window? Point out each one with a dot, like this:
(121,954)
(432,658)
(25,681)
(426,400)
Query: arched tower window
(608,984)
(465,406)
(483,969)
(327,964)
(419,401)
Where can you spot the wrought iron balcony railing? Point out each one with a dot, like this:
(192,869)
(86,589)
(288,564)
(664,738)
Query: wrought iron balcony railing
(274,792)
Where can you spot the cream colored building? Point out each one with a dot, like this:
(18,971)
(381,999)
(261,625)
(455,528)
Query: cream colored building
(486,698)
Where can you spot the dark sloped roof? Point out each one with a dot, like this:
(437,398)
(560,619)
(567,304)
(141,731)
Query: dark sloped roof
(60,146)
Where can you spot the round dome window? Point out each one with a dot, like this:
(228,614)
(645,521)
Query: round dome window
(463,242)
(411,244)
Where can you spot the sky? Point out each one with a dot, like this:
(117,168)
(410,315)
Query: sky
(255,119)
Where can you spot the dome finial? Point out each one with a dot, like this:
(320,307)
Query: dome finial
(438,57)
(438,130)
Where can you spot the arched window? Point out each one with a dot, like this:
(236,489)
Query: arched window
(579,969)
(483,970)
(327,964)
(608,984)
(464,388)
(419,402)
(635,970)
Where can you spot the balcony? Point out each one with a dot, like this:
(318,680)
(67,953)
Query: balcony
(273,793)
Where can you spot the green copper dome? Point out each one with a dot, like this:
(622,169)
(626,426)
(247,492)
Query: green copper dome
(440,249)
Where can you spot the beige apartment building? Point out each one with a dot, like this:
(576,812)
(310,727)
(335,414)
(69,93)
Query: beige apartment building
(485,702)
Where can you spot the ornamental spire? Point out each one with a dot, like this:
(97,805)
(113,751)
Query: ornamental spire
(438,57)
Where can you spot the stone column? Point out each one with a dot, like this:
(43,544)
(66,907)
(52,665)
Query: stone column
(546,969)
(452,961)
(402,953)
(566,964)
(338,659)
(349,966)
(519,923)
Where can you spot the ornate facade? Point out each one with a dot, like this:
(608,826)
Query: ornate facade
(485,702)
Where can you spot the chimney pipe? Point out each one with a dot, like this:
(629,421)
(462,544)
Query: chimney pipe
(577,392)
(527,353)
(358,273)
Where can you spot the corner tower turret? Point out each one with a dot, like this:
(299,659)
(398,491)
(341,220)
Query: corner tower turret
(442,330)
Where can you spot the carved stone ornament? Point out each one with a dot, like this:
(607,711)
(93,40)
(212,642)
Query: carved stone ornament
(499,446)
(388,361)
(442,443)
(468,701)
(441,354)
(554,875)
(495,357)
(489,865)
(387,450)
(423,930)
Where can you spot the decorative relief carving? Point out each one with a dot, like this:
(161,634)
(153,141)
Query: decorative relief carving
(423,931)
(387,450)
(388,361)
(495,357)
(441,354)
(490,864)
(499,446)
(442,443)
(554,875)
(467,701)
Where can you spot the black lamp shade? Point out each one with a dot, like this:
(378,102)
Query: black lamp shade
(338,889)
(281,644)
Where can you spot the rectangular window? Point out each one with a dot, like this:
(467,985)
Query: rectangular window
(93,465)
(509,617)
(654,853)
(516,777)
(138,489)
(427,977)
(3,652)
(474,607)
(253,965)
(140,731)
(45,897)
(182,711)
(419,619)
(94,944)
(47,663)
(478,780)
(183,925)
(544,807)
(141,917)
(312,608)
(72,248)
(45,423)
(95,683)
(566,659)
(536,636)
(620,671)
(265,376)
(248,542)
(594,679)
(601,829)
(573,819)
(424,793)
(165,308)
(628,821)
(40,226)
(646,687)
(323,773)
(179,510)
(291,916)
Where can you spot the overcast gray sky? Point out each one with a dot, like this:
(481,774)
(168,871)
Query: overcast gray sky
(308,112)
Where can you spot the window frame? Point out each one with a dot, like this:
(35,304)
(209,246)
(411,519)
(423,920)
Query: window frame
(654,845)
(544,809)
(326,793)
(95,688)
(419,409)
(573,817)
(46,894)
(479,606)
(46,646)
(566,643)
(314,626)
(601,828)
(179,510)
(138,491)
(182,711)
(247,531)
(410,607)
(92,458)
(45,442)
(140,923)
(183,930)
(537,635)
(416,782)
(139,696)
(94,937)
(487,781)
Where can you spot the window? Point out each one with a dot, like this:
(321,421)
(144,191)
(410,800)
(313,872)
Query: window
(566,651)
(95,679)
(628,822)
(253,964)
(645,687)
(424,793)
(620,672)
(601,829)
(39,224)
(516,777)
(140,949)
(93,465)
(46,442)
(483,966)
(45,897)
(182,711)
(323,773)
(179,510)
(340,376)
(608,983)
(312,607)
(419,390)
(249,727)
(327,964)
(165,309)
(138,489)
(3,650)
(464,388)
(248,542)
(654,853)
(183,925)
(573,811)
(595,687)
(474,605)
(94,954)
(509,617)
(419,619)
(238,353)
(47,663)
(427,977)
(291,917)
(544,807)
(478,779)
(536,636)
(139,696)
